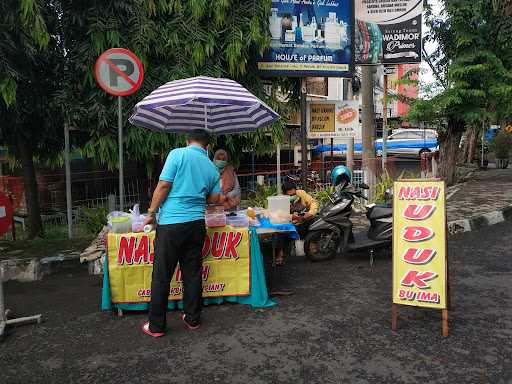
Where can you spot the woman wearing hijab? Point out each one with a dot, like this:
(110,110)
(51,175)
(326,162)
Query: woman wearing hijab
(228,180)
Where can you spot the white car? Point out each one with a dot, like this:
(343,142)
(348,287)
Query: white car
(409,142)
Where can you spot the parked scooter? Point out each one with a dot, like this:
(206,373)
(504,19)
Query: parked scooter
(331,234)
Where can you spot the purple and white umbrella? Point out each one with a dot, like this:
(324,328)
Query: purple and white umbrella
(216,105)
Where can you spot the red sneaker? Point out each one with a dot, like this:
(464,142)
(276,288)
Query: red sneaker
(145,329)
(189,326)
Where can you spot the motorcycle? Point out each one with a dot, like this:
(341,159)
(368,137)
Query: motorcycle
(331,233)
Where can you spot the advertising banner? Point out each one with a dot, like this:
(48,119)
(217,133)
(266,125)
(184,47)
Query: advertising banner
(419,244)
(226,265)
(333,119)
(388,31)
(309,38)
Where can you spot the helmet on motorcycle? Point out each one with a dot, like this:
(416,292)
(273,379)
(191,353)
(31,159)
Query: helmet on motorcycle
(340,174)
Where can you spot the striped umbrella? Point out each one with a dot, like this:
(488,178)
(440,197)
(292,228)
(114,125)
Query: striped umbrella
(216,105)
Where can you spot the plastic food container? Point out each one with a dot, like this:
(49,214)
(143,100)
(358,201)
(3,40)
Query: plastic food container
(121,224)
(279,209)
(215,220)
(215,216)
(238,220)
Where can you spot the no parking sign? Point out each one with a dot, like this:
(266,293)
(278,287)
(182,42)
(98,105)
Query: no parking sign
(119,72)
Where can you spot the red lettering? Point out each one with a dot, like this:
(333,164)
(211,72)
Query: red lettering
(205,272)
(404,193)
(419,211)
(429,297)
(206,246)
(179,278)
(142,252)
(234,240)
(218,244)
(418,256)
(418,193)
(418,279)
(406,295)
(152,252)
(417,233)
(125,254)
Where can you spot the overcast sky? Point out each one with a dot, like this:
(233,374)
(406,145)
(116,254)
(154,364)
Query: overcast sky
(426,76)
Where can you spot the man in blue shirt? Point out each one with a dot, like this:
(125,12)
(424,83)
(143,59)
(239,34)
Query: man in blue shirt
(188,180)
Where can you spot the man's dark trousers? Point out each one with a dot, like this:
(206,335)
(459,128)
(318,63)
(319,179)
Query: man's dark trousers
(175,243)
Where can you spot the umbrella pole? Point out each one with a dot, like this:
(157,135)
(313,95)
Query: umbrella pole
(120,138)
(278,150)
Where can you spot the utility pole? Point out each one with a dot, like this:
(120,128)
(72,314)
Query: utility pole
(368,121)
(303,130)
(349,154)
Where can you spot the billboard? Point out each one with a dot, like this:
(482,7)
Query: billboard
(309,38)
(333,119)
(419,244)
(387,31)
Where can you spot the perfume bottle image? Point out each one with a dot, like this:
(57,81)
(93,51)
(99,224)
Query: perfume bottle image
(275,25)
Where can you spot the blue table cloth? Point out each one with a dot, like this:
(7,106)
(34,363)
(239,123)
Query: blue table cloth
(289,227)
(258,297)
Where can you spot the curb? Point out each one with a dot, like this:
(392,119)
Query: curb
(27,270)
(477,222)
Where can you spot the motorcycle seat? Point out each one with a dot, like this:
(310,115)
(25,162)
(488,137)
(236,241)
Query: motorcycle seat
(379,212)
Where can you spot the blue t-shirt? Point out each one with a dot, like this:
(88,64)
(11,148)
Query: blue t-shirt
(193,177)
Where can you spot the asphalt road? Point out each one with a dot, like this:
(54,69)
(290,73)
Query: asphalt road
(334,329)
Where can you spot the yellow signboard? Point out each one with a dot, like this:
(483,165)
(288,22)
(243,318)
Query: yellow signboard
(226,265)
(333,119)
(322,117)
(419,244)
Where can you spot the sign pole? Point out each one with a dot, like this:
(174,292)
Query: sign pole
(119,72)
(120,138)
(304,138)
(385,124)
(68,181)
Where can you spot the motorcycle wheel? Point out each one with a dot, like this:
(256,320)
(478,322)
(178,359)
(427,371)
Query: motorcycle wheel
(321,245)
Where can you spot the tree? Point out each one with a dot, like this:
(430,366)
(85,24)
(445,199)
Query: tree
(29,74)
(174,39)
(473,63)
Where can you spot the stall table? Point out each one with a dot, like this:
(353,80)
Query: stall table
(240,274)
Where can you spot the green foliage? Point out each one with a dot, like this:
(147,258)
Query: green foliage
(501,144)
(384,184)
(259,198)
(472,62)
(93,219)
(322,195)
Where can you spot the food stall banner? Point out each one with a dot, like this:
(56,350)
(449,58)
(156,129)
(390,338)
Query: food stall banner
(309,38)
(419,244)
(387,31)
(226,265)
(333,119)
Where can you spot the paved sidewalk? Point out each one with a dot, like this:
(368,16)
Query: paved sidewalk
(484,192)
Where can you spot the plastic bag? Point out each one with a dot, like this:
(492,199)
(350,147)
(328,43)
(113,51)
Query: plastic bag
(137,219)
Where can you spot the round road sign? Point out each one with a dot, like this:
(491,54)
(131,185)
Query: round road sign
(119,72)
(5,213)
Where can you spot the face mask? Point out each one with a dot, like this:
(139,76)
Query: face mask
(294,198)
(220,163)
